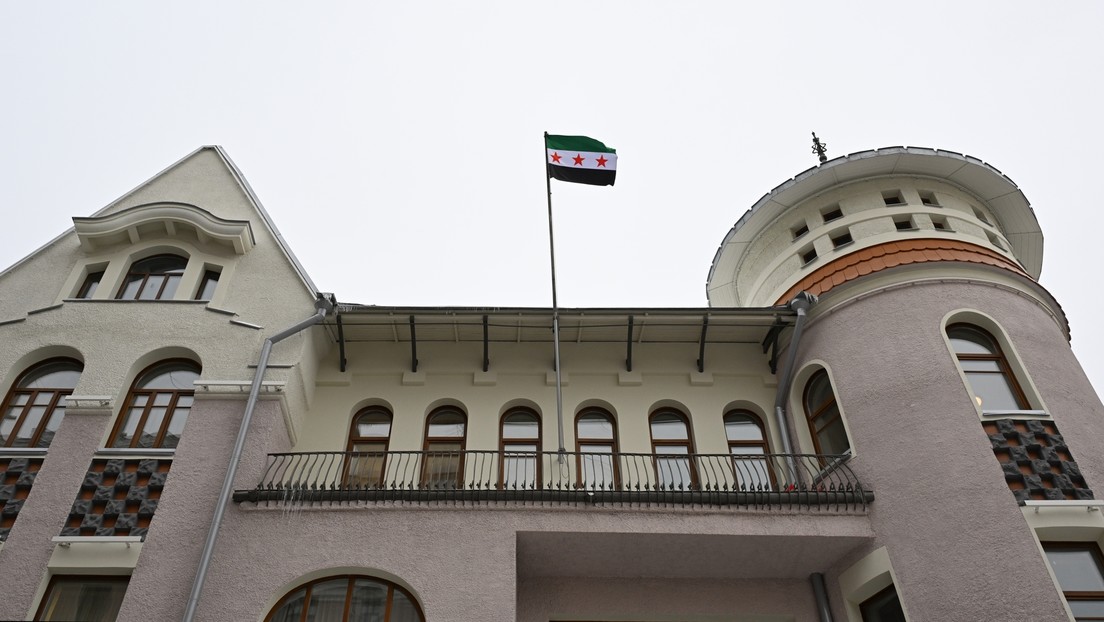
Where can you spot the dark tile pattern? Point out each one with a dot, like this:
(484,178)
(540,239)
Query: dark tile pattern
(16,477)
(1037,464)
(118,498)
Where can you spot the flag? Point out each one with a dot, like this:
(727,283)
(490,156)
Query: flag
(580,160)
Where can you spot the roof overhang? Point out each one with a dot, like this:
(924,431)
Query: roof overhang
(163,220)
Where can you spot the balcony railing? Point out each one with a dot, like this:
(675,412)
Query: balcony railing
(582,478)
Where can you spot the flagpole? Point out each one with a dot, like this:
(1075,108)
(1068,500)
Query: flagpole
(555,305)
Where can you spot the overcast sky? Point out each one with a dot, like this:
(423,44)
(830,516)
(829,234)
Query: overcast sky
(398,145)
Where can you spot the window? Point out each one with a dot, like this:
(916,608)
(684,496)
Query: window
(808,255)
(940,224)
(892,198)
(91,283)
(825,421)
(368,439)
(832,212)
(927,197)
(842,238)
(347,598)
(596,441)
(992,383)
(799,230)
(443,468)
(35,406)
(157,406)
(82,597)
(746,438)
(673,450)
(521,442)
(207,285)
(885,606)
(904,224)
(1079,568)
(153,278)
(995,241)
(980,215)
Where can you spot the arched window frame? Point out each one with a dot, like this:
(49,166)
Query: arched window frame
(514,454)
(367,454)
(54,398)
(585,464)
(438,462)
(815,411)
(751,473)
(997,356)
(179,404)
(165,281)
(306,589)
(673,471)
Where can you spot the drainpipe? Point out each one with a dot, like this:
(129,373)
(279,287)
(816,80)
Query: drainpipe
(820,591)
(801,304)
(323,305)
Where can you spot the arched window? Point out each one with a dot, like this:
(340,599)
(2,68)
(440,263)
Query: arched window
(596,442)
(153,278)
(521,442)
(157,406)
(368,439)
(823,414)
(991,381)
(747,438)
(672,448)
(443,467)
(34,407)
(347,598)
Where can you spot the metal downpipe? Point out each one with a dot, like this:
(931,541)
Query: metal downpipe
(820,591)
(801,304)
(323,306)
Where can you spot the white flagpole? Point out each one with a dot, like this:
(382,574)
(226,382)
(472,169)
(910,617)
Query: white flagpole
(555,305)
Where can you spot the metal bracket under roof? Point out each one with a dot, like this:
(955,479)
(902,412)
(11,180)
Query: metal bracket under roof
(628,346)
(341,343)
(413,347)
(770,342)
(486,347)
(701,344)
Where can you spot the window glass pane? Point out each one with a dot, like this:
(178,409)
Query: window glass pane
(520,425)
(172,376)
(170,288)
(207,288)
(152,288)
(130,290)
(126,434)
(442,465)
(176,427)
(8,423)
(30,424)
(377,424)
(819,391)
(52,426)
(884,606)
(595,425)
(968,341)
(751,474)
(742,428)
(596,467)
(292,609)
(1087,609)
(402,610)
(327,602)
(668,426)
(448,424)
(994,391)
(366,464)
(61,375)
(89,599)
(91,284)
(368,602)
(1077,570)
(833,439)
(969,365)
(152,427)
(674,473)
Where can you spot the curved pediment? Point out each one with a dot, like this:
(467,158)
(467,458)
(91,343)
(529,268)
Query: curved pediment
(160,221)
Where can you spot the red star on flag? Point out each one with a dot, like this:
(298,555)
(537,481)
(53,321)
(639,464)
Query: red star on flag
(602,161)
(578,160)
(556,158)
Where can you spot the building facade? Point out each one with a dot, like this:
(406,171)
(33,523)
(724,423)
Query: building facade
(877,417)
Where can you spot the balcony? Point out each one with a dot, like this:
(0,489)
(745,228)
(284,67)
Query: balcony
(752,481)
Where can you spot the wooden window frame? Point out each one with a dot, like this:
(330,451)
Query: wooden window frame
(208,276)
(76,578)
(764,444)
(503,442)
(32,395)
(91,283)
(998,356)
(355,438)
(812,411)
(170,408)
(1094,549)
(392,587)
(688,443)
(866,604)
(581,442)
(128,279)
(428,442)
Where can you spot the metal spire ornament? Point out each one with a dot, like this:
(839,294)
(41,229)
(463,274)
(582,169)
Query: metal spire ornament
(820,148)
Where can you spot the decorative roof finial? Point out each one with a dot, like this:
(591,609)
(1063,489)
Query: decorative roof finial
(820,148)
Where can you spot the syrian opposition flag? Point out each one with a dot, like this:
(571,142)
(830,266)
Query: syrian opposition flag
(580,160)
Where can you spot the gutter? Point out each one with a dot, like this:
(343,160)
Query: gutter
(801,303)
(323,305)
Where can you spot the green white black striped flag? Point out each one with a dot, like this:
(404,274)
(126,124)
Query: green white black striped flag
(580,160)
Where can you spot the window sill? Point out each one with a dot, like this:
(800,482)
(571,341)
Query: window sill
(1015,413)
(66,541)
(135,452)
(1090,505)
(22,452)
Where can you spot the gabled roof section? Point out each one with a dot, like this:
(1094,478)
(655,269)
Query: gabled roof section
(163,219)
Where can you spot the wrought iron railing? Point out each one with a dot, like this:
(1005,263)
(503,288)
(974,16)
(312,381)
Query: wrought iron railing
(750,480)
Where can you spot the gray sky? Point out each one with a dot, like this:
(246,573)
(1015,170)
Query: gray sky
(398,145)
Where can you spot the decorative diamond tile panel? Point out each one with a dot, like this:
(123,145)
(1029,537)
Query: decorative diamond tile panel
(118,498)
(1037,463)
(16,477)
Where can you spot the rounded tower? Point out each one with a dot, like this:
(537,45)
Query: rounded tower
(938,366)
